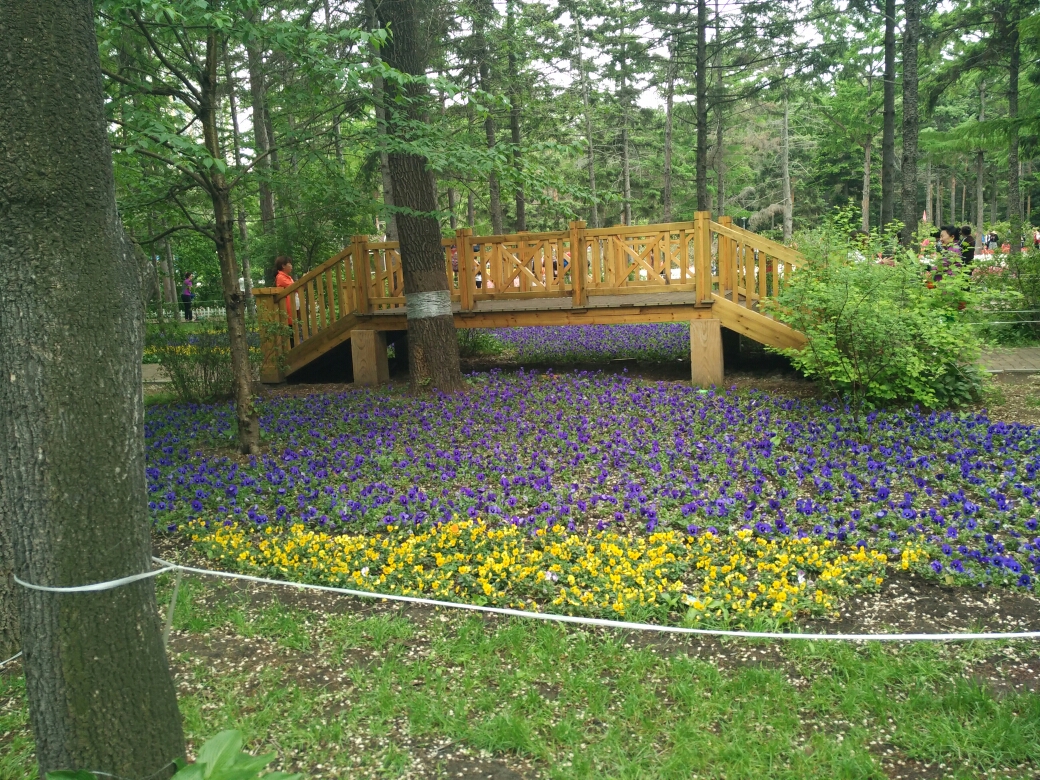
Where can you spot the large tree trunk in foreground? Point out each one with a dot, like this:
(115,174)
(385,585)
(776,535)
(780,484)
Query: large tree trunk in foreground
(71,414)
(888,127)
(224,235)
(433,351)
(911,32)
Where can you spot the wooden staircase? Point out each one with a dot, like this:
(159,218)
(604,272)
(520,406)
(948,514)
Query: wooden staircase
(709,273)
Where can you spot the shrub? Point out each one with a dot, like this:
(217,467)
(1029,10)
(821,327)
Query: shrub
(877,331)
(198,358)
(474,342)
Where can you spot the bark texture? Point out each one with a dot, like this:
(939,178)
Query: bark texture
(71,414)
(888,126)
(911,34)
(433,351)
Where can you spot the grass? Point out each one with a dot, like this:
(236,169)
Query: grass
(341,692)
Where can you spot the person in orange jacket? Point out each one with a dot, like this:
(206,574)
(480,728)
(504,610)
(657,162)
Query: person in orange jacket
(283,278)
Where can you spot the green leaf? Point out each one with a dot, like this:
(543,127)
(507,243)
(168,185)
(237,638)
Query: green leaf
(220,752)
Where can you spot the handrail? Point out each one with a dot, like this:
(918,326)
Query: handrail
(760,242)
(314,273)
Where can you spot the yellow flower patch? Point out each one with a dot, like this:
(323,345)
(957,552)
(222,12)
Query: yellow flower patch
(596,573)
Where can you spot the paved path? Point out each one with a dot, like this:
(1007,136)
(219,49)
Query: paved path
(152,374)
(1017,360)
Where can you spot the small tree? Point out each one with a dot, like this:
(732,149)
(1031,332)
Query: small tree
(165,62)
(72,494)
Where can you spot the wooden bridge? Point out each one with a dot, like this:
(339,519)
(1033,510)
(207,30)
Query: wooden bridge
(709,273)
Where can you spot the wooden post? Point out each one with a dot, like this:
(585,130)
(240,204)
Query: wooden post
(706,352)
(727,277)
(368,351)
(579,263)
(467,279)
(359,261)
(702,255)
(272,343)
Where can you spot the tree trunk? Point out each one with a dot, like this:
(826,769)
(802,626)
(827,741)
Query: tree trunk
(243,233)
(785,172)
(703,204)
(453,220)
(953,199)
(433,352)
(590,152)
(378,92)
(1013,198)
(168,259)
(100,692)
(514,117)
(224,235)
(980,174)
(471,209)
(994,194)
(258,92)
(929,204)
(666,189)
(720,123)
(911,34)
(482,16)
(888,127)
(864,206)
(938,202)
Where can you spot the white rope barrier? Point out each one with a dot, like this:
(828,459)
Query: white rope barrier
(605,623)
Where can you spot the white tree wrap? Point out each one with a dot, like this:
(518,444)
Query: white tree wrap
(421,305)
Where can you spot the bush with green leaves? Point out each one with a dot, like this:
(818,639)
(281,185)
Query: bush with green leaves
(474,342)
(197,358)
(880,330)
(221,758)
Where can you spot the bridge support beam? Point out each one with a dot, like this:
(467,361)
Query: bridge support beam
(368,351)
(706,352)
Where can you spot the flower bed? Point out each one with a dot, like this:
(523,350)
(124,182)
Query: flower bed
(595,453)
(599,572)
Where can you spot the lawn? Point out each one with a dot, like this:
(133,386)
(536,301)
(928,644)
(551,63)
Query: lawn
(342,688)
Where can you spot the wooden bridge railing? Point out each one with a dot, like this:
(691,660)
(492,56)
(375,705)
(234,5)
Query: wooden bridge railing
(701,257)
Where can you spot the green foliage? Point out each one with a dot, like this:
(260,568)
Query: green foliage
(877,332)
(1009,289)
(478,343)
(197,358)
(221,758)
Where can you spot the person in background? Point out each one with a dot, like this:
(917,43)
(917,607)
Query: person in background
(1036,239)
(283,278)
(187,293)
(994,242)
(967,244)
